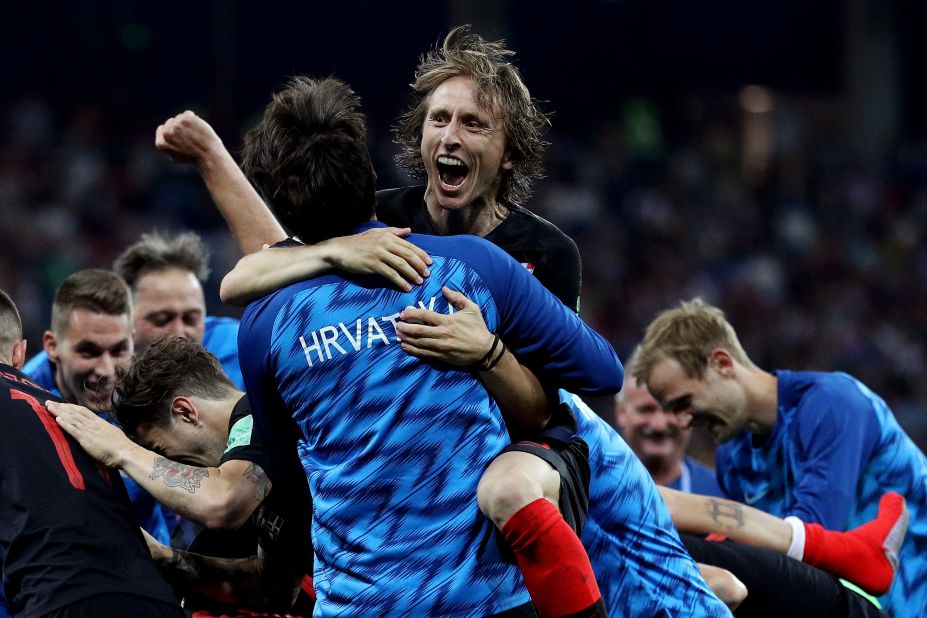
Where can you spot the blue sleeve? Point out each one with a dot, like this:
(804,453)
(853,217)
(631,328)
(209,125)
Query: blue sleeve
(834,434)
(541,331)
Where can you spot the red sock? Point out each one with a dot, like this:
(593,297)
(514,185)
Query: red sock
(867,555)
(553,562)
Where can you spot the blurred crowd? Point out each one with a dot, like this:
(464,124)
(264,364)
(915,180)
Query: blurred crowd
(818,259)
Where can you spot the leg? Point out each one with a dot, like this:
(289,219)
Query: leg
(867,555)
(512,481)
(520,492)
(779,586)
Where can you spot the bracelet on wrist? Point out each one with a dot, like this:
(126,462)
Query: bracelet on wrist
(483,363)
(496,360)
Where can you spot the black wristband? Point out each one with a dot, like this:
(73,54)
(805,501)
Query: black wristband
(496,360)
(481,365)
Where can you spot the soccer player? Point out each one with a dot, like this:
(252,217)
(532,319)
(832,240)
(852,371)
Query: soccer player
(617,527)
(69,542)
(657,438)
(90,337)
(818,446)
(393,446)
(766,566)
(205,464)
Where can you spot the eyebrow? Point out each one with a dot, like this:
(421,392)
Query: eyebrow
(676,404)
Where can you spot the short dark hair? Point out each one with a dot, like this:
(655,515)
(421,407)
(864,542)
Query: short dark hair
(11,325)
(498,86)
(95,289)
(308,158)
(155,251)
(171,366)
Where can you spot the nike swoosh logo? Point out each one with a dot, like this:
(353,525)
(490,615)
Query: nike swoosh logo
(754,498)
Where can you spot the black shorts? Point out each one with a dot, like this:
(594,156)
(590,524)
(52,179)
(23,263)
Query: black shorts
(568,454)
(118,605)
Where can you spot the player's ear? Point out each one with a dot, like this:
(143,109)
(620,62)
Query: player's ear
(184,411)
(50,345)
(507,161)
(721,361)
(19,353)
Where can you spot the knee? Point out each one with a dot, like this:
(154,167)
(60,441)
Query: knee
(502,493)
(725,585)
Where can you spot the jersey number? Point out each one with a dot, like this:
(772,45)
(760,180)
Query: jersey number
(57,436)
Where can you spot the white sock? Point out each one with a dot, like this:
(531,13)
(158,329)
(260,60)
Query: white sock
(797,544)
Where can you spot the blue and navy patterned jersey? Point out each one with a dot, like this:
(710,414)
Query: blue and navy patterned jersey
(640,564)
(834,450)
(393,446)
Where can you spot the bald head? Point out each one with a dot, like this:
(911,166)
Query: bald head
(12,344)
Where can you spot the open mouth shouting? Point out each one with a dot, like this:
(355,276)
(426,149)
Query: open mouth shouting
(452,172)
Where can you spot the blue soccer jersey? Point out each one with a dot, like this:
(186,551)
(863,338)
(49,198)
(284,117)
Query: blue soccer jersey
(834,450)
(221,340)
(393,446)
(640,563)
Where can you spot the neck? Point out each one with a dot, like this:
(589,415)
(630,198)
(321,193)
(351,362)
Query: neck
(478,218)
(762,400)
(215,414)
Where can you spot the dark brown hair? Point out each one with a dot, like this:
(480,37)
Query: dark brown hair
(171,366)
(308,158)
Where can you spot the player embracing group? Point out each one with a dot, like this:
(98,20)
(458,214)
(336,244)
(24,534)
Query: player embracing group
(395,427)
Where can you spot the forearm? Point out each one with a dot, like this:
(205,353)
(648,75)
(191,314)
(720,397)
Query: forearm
(696,514)
(524,403)
(193,492)
(260,273)
(251,221)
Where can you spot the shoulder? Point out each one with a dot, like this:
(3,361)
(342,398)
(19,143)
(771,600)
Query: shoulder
(40,369)
(830,394)
(397,206)
(524,224)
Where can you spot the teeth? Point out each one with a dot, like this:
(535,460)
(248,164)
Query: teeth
(450,161)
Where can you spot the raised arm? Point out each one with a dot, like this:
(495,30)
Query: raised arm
(188,138)
(380,251)
(222,497)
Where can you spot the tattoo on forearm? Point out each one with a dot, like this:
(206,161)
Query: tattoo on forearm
(178,474)
(256,475)
(728,515)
